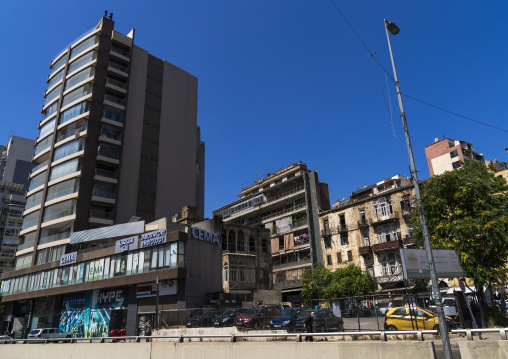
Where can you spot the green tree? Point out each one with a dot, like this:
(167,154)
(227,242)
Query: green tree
(314,283)
(320,282)
(467,211)
(348,281)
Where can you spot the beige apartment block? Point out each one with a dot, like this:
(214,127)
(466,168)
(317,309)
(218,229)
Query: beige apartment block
(368,229)
(447,155)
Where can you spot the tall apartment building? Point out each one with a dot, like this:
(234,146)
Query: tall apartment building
(368,229)
(16,160)
(12,203)
(118,139)
(287,202)
(446,155)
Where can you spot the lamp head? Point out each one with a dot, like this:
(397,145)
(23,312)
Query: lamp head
(392,28)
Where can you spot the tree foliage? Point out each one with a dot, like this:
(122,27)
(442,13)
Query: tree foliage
(321,283)
(467,211)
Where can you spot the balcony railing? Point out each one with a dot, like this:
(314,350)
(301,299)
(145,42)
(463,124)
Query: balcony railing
(25,245)
(54,237)
(280,213)
(116,137)
(114,100)
(286,194)
(342,228)
(364,223)
(39,166)
(116,83)
(386,218)
(292,264)
(365,250)
(101,214)
(120,51)
(388,245)
(326,232)
(119,67)
(105,173)
(107,152)
(104,193)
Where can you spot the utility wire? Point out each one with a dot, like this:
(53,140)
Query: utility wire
(390,76)
(456,114)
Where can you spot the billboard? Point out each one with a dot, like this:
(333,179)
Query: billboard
(415,263)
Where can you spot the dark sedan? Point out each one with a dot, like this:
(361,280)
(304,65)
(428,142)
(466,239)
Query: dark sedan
(205,320)
(324,320)
(227,319)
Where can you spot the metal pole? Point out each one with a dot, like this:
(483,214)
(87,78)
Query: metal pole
(157,303)
(430,257)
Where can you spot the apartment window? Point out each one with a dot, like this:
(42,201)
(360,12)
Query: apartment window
(59,210)
(64,169)
(264,246)
(77,93)
(329,260)
(252,244)
(81,61)
(233,273)
(350,256)
(251,277)
(328,242)
(339,257)
(366,241)
(456,164)
(344,239)
(383,207)
(48,127)
(454,153)
(362,214)
(30,220)
(240,241)
(68,149)
(326,225)
(62,189)
(74,111)
(91,41)
(243,272)
(37,181)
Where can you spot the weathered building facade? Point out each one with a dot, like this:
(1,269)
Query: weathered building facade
(368,229)
(287,203)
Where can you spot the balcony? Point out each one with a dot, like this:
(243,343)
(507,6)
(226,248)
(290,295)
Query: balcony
(120,51)
(101,217)
(114,99)
(364,223)
(326,232)
(390,278)
(365,250)
(105,173)
(341,228)
(380,247)
(406,212)
(119,69)
(386,218)
(116,85)
(283,212)
(54,238)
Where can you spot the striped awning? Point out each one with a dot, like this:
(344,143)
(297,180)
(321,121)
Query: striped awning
(119,230)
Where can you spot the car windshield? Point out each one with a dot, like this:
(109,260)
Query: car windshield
(253,311)
(228,313)
(34,331)
(304,314)
(286,312)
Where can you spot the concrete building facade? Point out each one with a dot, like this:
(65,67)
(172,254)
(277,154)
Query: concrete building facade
(368,229)
(16,160)
(12,204)
(446,155)
(287,203)
(118,140)
(106,279)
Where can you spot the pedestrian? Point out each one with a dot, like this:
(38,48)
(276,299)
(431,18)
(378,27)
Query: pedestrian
(308,326)
(148,328)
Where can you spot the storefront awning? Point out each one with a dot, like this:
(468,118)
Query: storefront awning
(120,230)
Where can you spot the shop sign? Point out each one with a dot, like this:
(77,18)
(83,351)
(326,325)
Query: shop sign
(153,238)
(203,235)
(167,287)
(68,258)
(126,244)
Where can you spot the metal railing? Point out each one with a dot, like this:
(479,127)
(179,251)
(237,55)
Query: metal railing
(280,213)
(116,83)
(120,51)
(114,99)
(105,173)
(55,237)
(119,67)
(233,338)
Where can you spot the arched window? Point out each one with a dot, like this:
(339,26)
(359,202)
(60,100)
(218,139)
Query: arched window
(240,241)
(225,272)
(231,241)
(233,272)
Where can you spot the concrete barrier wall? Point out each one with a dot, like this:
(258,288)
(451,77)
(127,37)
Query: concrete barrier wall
(221,350)
(485,349)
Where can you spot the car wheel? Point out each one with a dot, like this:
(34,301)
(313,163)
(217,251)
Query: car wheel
(255,325)
(391,327)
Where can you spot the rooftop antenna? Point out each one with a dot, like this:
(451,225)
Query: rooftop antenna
(111,16)
(105,13)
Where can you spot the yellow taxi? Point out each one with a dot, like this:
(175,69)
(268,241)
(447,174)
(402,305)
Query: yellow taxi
(414,318)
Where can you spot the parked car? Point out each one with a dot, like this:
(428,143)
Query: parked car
(5,339)
(205,320)
(286,319)
(48,333)
(255,318)
(405,318)
(227,319)
(324,320)
(353,311)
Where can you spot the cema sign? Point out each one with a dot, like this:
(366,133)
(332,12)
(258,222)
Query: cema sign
(68,258)
(203,235)
(415,264)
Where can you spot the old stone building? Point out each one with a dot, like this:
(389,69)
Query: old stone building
(368,229)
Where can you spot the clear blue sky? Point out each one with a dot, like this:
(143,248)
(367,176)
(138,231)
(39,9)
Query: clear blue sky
(284,81)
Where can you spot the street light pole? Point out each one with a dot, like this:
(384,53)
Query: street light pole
(390,26)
